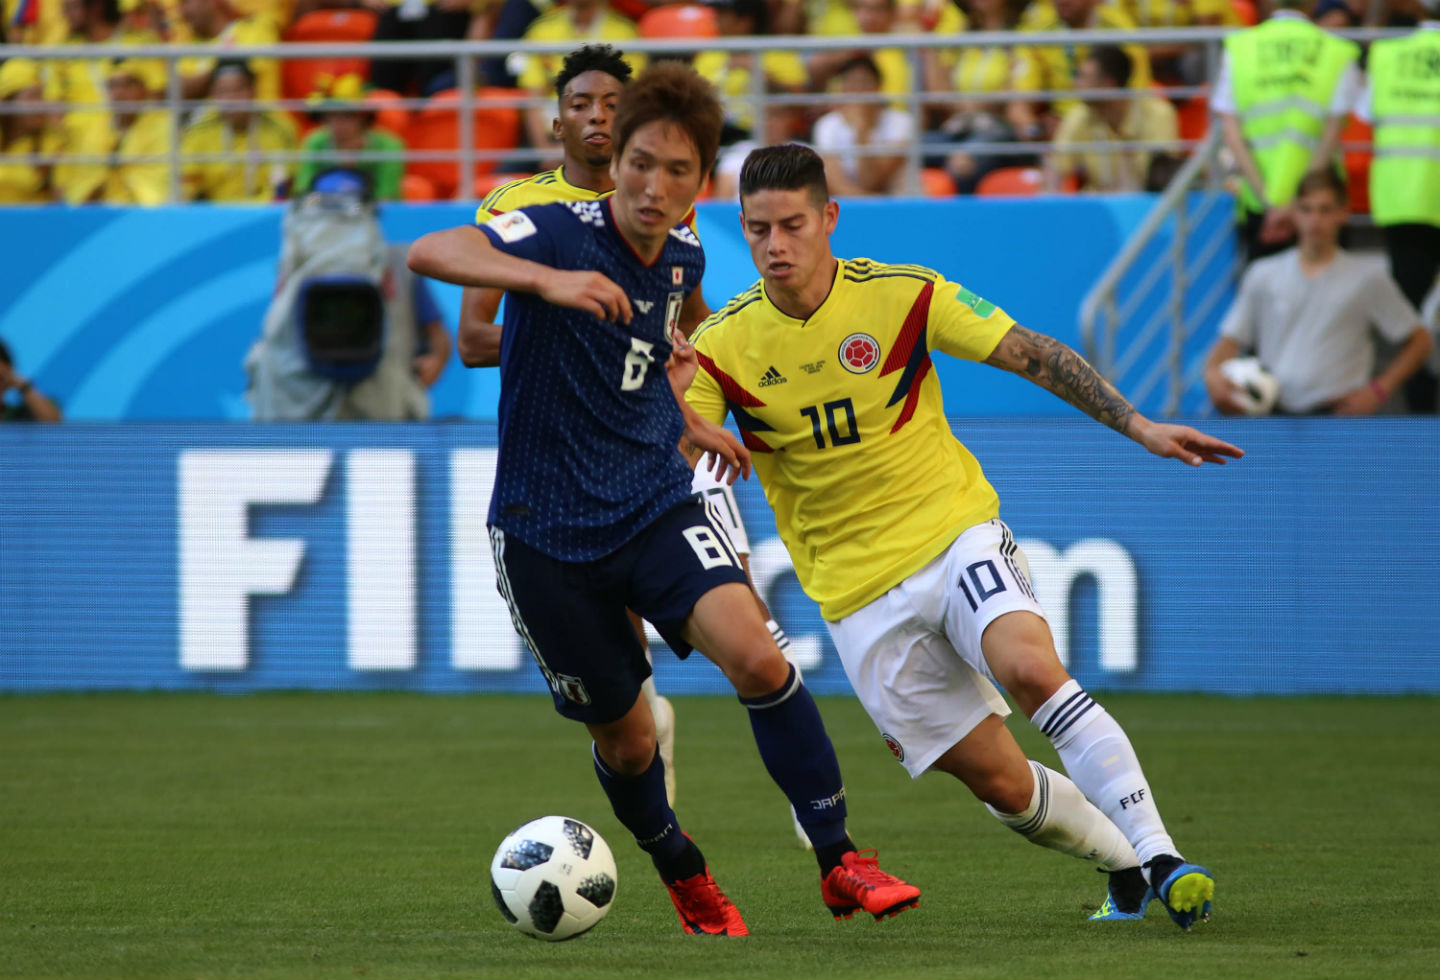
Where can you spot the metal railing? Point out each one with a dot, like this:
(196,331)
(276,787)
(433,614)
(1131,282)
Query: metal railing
(1160,297)
(464,54)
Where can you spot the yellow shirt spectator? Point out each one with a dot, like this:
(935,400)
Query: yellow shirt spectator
(1180,13)
(1145,118)
(878,17)
(232,39)
(22,133)
(1053,69)
(537,72)
(731,75)
(125,180)
(44,23)
(245,177)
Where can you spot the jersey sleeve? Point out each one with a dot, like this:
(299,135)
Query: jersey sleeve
(705,394)
(530,233)
(964,325)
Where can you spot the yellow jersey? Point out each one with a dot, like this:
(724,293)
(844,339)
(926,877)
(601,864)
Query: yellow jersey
(543,188)
(244,177)
(1053,69)
(537,71)
(845,422)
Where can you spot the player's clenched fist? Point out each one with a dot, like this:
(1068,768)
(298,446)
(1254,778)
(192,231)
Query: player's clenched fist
(589,291)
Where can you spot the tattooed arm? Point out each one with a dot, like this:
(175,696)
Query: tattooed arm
(1060,370)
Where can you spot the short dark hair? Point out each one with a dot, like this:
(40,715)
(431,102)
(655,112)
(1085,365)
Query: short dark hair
(592,57)
(233,64)
(860,61)
(1324,179)
(672,92)
(1114,63)
(5,357)
(787,167)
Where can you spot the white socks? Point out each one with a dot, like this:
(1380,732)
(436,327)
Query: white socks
(1098,756)
(1060,818)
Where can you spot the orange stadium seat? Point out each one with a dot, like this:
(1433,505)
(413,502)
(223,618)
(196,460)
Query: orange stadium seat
(1246,11)
(298,77)
(413,187)
(389,115)
(333,25)
(1011,182)
(437,127)
(679,20)
(1357,164)
(936,182)
(1194,117)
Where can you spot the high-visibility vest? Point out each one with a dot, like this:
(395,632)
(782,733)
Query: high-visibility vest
(1405,110)
(1284,73)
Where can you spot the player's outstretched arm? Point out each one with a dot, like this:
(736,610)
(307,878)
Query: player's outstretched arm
(466,257)
(1058,369)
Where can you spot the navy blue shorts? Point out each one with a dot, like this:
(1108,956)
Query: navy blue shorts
(572,614)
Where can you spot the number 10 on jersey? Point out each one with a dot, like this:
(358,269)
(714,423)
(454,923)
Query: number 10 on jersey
(842,431)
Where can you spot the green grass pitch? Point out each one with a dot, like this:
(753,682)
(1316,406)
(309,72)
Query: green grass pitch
(349,836)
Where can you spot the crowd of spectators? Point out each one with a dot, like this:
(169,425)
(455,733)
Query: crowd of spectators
(946,97)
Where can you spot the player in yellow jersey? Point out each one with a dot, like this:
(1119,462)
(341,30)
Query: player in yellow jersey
(588,88)
(895,531)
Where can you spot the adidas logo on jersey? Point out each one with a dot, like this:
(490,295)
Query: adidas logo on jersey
(643,305)
(771,377)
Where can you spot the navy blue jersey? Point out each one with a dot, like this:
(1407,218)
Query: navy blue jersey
(589,428)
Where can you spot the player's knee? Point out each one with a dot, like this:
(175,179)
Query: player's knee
(1006,790)
(630,753)
(759,671)
(1032,673)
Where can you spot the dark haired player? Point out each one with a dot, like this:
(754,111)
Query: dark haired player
(592,510)
(894,530)
(588,89)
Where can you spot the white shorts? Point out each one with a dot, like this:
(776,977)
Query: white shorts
(721,497)
(913,655)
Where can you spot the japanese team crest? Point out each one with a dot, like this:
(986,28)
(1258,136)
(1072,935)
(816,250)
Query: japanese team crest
(859,353)
(572,689)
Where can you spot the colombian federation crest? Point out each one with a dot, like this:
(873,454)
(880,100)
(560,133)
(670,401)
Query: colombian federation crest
(896,748)
(859,353)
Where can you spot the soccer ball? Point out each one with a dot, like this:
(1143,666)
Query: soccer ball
(553,878)
(1255,389)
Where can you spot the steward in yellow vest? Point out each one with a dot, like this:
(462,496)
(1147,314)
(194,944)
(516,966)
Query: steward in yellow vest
(1402,103)
(1284,90)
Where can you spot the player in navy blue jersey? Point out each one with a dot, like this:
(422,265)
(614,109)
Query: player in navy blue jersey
(592,511)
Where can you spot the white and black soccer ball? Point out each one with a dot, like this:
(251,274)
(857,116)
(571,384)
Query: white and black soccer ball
(553,878)
(1256,390)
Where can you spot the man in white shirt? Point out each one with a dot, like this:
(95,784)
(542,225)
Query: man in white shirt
(844,135)
(1307,312)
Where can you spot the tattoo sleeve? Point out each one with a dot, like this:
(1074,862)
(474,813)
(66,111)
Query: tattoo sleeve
(1060,370)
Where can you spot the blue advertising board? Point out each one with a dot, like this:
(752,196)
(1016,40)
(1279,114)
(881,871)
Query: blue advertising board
(236,557)
(146,314)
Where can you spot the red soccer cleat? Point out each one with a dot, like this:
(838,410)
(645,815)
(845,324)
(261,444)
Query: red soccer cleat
(703,907)
(858,883)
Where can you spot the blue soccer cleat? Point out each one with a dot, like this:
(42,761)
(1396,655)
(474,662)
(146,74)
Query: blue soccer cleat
(1185,890)
(1126,898)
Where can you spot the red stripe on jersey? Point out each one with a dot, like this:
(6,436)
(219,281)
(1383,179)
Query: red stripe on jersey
(913,398)
(733,392)
(912,330)
(754,442)
(738,399)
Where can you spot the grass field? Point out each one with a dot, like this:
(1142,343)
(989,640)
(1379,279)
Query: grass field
(299,836)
